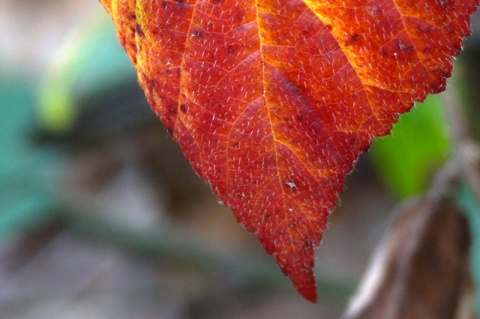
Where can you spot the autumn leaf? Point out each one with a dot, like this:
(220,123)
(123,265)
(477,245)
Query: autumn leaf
(273,101)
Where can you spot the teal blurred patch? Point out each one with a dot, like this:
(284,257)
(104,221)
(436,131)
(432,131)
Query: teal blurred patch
(470,205)
(28,172)
(418,146)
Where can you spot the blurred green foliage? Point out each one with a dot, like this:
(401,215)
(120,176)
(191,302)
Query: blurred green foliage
(418,146)
(90,60)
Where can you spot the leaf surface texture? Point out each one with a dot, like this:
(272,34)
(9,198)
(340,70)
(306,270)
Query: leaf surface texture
(272,101)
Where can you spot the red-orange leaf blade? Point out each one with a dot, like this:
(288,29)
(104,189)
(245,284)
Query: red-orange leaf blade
(272,101)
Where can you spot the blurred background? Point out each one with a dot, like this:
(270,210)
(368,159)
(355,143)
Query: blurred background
(102,217)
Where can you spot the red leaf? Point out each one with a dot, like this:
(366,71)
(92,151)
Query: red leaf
(272,101)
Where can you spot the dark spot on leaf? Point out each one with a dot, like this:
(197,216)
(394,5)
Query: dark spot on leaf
(444,4)
(183,108)
(139,30)
(153,84)
(181,4)
(301,118)
(355,37)
(197,34)
(231,50)
(171,106)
